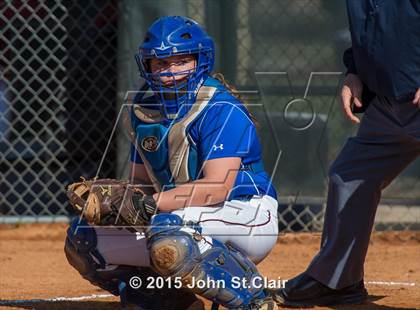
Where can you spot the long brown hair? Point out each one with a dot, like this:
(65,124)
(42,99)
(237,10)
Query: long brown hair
(232,89)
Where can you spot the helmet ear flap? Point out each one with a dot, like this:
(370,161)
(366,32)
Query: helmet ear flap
(142,64)
(146,64)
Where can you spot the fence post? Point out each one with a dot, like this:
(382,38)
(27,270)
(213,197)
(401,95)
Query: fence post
(221,25)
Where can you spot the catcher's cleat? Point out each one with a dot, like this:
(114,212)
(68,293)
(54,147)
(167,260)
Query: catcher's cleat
(305,292)
(266,303)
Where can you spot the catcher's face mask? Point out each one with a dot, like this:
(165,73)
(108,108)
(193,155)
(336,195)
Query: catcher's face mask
(171,76)
(182,37)
(173,70)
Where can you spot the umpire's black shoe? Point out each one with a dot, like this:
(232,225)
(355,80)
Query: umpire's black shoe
(304,291)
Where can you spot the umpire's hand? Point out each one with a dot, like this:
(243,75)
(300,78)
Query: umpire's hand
(351,93)
(416,100)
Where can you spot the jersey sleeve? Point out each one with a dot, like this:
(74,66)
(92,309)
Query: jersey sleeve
(134,155)
(226,131)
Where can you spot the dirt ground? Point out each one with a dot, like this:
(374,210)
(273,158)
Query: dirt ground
(33,266)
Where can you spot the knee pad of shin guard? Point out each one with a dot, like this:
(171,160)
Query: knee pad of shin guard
(170,245)
(173,255)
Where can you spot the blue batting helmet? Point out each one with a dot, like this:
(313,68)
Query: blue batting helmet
(169,36)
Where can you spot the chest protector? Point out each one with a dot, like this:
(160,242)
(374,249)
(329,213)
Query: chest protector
(168,153)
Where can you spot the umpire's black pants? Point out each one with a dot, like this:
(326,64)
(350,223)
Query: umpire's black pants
(387,141)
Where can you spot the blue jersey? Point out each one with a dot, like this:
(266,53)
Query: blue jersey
(224,129)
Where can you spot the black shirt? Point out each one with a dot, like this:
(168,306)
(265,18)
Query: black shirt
(385,50)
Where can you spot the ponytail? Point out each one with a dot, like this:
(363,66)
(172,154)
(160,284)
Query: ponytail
(232,89)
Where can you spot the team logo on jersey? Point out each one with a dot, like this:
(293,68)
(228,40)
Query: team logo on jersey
(149,144)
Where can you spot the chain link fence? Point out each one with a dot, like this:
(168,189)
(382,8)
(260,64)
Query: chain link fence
(67,65)
(58,85)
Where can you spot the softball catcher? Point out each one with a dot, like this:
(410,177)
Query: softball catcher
(199,204)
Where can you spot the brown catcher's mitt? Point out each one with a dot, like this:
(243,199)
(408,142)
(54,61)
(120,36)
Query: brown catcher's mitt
(110,201)
(78,193)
